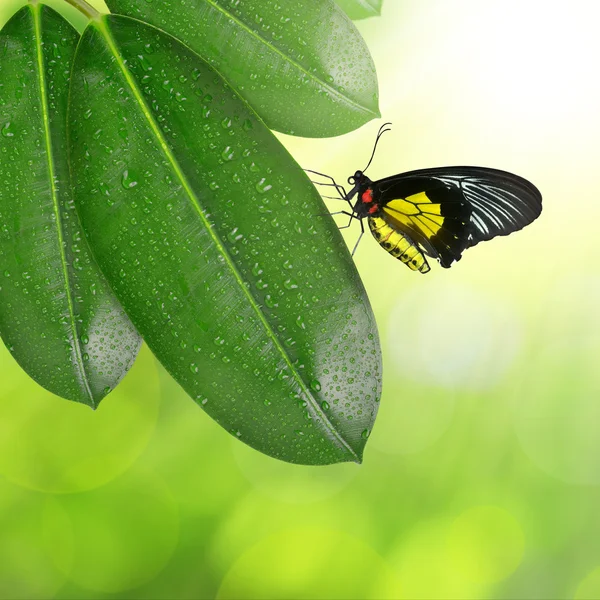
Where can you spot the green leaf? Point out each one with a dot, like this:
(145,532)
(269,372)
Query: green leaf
(301,64)
(57,315)
(361,9)
(215,242)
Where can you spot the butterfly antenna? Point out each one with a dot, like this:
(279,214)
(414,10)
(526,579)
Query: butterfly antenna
(382,130)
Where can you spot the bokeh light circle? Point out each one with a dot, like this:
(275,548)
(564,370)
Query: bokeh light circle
(26,571)
(421,562)
(292,483)
(557,412)
(293,563)
(485,544)
(411,417)
(461,557)
(239,531)
(53,445)
(451,335)
(114,538)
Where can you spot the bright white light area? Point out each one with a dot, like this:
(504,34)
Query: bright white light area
(534,58)
(454,336)
(516,67)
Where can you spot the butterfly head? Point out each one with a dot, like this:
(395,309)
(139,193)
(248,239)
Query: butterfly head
(357,178)
(366,204)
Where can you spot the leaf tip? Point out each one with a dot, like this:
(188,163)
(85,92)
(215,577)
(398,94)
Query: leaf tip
(357,457)
(92,403)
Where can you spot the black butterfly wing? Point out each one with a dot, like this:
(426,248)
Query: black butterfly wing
(494,202)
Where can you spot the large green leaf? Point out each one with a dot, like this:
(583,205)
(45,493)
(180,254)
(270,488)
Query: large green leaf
(361,9)
(215,242)
(301,64)
(57,315)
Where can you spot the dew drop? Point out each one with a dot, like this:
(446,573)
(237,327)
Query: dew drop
(228,153)
(234,235)
(6,132)
(128,180)
(270,302)
(262,187)
(144,63)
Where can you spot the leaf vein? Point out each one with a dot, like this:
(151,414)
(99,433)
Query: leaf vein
(37,8)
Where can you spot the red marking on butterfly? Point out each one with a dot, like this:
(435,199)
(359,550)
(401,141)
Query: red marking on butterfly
(367,196)
(374,209)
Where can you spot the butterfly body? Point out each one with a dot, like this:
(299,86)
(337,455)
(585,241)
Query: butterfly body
(441,212)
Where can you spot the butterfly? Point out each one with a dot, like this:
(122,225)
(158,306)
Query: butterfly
(437,212)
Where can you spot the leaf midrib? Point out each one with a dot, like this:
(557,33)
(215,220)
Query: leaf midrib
(296,64)
(37,20)
(105,31)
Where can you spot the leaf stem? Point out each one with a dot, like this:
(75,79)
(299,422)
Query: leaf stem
(87,9)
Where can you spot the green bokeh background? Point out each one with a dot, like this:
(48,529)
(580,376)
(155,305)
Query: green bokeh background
(482,475)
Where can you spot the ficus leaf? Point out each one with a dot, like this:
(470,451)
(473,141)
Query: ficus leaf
(57,315)
(361,9)
(301,64)
(216,244)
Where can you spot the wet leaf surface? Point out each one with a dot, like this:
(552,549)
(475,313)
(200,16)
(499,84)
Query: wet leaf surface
(301,64)
(57,315)
(210,236)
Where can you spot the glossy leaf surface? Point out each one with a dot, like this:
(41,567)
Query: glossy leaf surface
(361,9)
(209,234)
(57,315)
(301,64)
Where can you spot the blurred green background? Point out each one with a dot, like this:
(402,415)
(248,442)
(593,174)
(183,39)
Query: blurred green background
(482,476)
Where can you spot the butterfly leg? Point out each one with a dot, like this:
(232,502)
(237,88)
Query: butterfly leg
(351,216)
(339,212)
(344,212)
(362,232)
(340,189)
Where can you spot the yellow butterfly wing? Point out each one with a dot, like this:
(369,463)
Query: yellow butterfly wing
(437,220)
